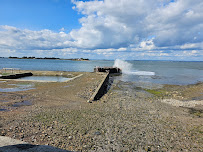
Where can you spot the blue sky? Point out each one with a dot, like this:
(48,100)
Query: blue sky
(39,14)
(109,29)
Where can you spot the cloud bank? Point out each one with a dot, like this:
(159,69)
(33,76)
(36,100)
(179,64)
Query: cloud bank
(129,29)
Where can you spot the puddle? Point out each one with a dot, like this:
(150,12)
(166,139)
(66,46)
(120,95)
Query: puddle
(2,81)
(46,78)
(3,101)
(198,98)
(22,85)
(4,110)
(23,103)
(19,87)
(14,89)
(68,86)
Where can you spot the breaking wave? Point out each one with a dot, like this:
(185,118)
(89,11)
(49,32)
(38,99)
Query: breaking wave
(127,68)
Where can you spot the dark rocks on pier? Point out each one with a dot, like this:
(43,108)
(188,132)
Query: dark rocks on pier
(108,69)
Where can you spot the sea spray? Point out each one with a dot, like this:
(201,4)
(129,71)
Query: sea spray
(127,68)
(123,65)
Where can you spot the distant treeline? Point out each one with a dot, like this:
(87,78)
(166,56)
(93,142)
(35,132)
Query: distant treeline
(50,58)
(78,59)
(32,57)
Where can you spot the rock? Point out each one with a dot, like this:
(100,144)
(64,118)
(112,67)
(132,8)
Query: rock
(97,133)
(70,137)
(89,101)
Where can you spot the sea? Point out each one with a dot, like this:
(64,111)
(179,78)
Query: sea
(146,72)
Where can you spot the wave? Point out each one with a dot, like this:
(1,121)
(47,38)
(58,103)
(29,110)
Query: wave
(149,73)
(123,65)
(126,68)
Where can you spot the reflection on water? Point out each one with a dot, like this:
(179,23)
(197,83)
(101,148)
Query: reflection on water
(19,87)
(15,105)
(46,78)
(68,86)
(4,110)
(161,72)
(14,89)
(3,101)
(23,103)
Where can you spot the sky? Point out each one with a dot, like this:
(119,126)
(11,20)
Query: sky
(103,29)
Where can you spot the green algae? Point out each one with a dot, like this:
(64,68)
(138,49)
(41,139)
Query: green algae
(158,93)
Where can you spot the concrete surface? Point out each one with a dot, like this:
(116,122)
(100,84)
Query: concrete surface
(101,89)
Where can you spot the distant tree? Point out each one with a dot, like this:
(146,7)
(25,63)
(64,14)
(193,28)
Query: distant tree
(12,57)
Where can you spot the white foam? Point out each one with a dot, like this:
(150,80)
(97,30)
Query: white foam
(127,68)
(141,73)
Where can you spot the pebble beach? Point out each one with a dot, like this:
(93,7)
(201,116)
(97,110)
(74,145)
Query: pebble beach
(126,118)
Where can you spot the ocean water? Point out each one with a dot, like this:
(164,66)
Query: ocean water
(161,72)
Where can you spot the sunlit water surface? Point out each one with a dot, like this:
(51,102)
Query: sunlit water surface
(146,72)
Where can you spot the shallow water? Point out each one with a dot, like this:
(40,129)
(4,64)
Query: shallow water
(68,86)
(3,101)
(46,78)
(4,110)
(19,87)
(23,103)
(14,89)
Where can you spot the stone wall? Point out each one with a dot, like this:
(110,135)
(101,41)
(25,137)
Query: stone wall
(16,76)
(101,89)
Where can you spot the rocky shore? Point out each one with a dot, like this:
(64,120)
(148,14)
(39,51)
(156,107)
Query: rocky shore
(127,118)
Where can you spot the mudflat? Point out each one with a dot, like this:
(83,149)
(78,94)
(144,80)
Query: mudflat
(127,118)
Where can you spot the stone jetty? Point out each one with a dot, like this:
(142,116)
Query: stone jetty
(108,69)
(16,76)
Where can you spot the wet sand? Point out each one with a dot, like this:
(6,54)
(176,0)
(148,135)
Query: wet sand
(127,118)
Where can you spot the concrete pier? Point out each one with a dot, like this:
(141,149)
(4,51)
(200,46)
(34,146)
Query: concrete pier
(16,76)
(101,89)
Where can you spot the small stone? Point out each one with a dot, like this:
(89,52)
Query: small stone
(110,142)
(97,133)
(89,101)
(70,137)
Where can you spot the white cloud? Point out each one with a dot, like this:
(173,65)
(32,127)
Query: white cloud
(14,38)
(192,46)
(118,23)
(113,26)
(122,49)
(147,45)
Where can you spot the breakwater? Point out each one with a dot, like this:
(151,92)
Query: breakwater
(101,89)
(16,76)
(107,69)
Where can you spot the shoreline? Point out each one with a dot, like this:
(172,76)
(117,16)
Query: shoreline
(126,118)
(48,58)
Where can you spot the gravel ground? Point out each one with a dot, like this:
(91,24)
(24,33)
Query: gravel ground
(127,118)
